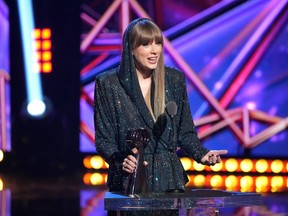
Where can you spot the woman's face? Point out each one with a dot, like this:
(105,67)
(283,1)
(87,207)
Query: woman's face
(147,56)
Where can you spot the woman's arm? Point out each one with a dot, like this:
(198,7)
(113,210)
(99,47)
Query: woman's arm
(105,135)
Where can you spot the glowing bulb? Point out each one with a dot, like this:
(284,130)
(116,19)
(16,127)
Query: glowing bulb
(277,166)
(86,162)
(216,181)
(217,167)
(96,179)
(261,165)
(97,162)
(246,165)
(1,155)
(198,166)
(277,182)
(251,105)
(1,184)
(86,178)
(186,162)
(199,180)
(246,183)
(231,165)
(261,182)
(36,108)
(231,181)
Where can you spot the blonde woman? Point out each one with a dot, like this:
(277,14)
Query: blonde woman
(135,95)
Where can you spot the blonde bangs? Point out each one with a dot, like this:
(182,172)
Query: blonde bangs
(145,33)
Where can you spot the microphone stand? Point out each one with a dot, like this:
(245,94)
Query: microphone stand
(171,109)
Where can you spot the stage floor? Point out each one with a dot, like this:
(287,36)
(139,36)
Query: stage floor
(67,195)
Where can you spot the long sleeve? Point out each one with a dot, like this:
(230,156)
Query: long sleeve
(188,138)
(105,137)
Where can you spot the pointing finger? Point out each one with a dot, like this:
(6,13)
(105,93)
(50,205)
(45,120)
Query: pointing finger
(220,152)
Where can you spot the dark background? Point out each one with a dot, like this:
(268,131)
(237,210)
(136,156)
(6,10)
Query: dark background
(50,143)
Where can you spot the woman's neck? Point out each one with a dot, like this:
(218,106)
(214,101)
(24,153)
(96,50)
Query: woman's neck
(145,84)
(144,74)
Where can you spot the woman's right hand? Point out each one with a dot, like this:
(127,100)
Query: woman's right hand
(130,164)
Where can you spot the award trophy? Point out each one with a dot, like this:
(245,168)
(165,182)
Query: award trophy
(137,138)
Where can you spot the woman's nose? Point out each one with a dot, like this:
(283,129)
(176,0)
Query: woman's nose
(154,48)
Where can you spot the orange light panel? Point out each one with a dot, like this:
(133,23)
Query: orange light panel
(46,33)
(46,56)
(36,33)
(46,67)
(246,165)
(46,45)
(277,166)
(262,166)
(42,44)
(36,45)
(38,56)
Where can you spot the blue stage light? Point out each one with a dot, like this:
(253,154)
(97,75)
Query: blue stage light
(36,105)
(36,108)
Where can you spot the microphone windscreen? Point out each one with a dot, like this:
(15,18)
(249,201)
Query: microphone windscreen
(171,108)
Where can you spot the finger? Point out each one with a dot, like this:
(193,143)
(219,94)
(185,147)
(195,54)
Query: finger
(145,163)
(219,152)
(128,168)
(132,159)
(135,150)
(129,163)
(210,158)
(125,167)
(218,159)
(214,159)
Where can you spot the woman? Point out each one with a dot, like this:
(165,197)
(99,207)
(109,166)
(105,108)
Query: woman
(134,95)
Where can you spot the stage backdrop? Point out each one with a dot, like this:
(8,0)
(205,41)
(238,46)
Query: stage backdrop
(5,125)
(234,56)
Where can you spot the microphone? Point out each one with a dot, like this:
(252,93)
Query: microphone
(171,109)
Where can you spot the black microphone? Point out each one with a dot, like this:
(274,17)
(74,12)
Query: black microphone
(171,109)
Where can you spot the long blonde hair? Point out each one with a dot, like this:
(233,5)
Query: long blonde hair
(146,31)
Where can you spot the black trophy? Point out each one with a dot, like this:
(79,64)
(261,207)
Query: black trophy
(137,138)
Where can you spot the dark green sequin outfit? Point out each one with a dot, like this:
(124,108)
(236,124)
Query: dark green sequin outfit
(119,106)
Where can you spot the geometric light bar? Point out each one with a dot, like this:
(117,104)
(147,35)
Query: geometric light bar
(244,183)
(227,165)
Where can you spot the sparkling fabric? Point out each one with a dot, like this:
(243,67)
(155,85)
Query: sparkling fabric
(119,106)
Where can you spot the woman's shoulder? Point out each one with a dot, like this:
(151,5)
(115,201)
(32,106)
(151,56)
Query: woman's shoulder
(107,76)
(173,73)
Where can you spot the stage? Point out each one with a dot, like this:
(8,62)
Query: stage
(189,201)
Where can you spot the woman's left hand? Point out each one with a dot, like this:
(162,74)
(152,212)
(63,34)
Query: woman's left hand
(213,157)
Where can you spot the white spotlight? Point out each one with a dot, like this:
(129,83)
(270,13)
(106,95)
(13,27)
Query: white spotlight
(36,108)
